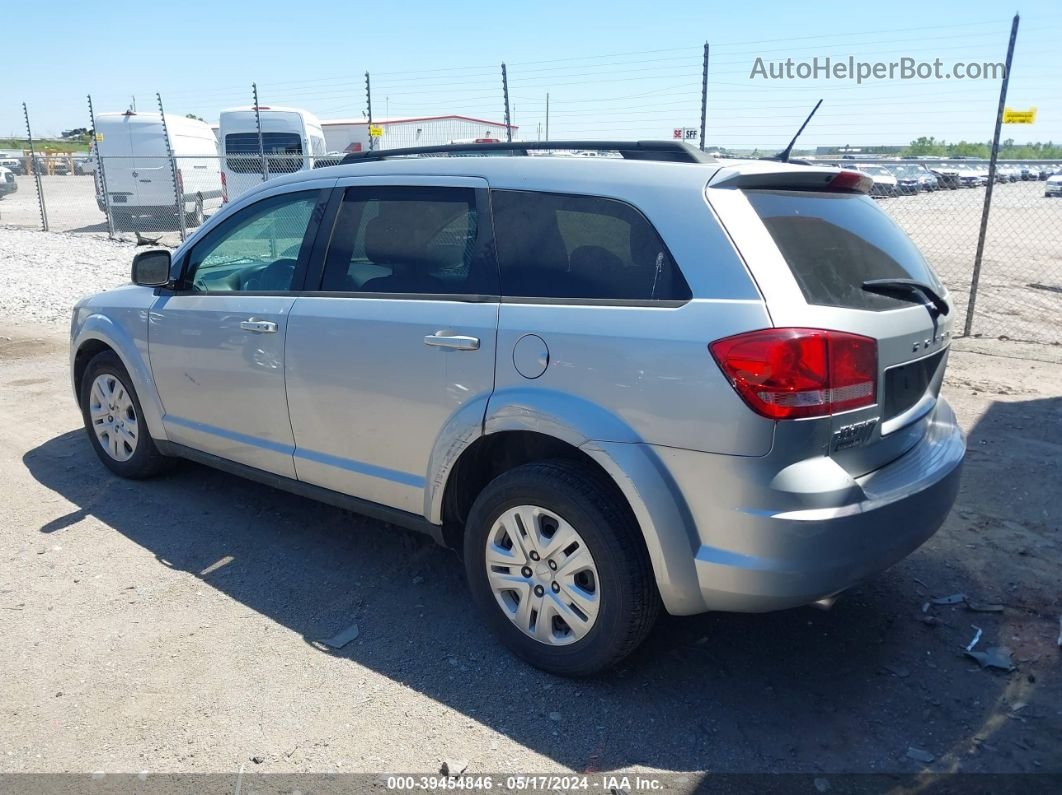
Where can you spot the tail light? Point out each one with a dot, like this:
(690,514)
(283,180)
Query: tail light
(788,373)
(180,181)
(224,189)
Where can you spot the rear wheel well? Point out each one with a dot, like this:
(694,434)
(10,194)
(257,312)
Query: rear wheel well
(85,354)
(492,455)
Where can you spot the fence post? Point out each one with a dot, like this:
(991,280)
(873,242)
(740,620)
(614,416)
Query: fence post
(505,94)
(368,106)
(704,95)
(979,256)
(101,177)
(178,187)
(36,171)
(258,124)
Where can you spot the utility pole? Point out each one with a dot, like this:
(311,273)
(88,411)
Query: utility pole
(968,326)
(505,94)
(547,115)
(704,95)
(368,102)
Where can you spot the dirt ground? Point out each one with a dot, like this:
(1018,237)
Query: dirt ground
(174,625)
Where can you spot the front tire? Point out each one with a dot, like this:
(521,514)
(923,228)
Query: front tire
(558,568)
(114,420)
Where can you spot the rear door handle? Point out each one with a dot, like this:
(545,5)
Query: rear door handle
(259,326)
(454,343)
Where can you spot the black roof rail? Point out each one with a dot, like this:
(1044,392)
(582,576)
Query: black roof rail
(671,151)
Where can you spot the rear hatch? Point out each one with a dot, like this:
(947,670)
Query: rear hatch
(813,243)
(154,172)
(116,150)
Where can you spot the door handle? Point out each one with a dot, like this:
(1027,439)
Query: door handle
(259,326)
(454,343)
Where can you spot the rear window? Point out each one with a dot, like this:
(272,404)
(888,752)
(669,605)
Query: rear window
(283,152)
(833,242)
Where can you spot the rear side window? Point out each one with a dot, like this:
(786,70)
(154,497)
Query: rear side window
(833,242)
(559,246)
(409,240)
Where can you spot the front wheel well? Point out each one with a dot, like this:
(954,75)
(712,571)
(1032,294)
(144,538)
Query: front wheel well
(85,354)
(492,455)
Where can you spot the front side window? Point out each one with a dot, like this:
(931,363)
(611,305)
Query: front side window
(559,246)
(256,249)
(408,240)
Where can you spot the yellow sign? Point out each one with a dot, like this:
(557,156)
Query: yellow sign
(375,130)
(1011,116)
(99,136)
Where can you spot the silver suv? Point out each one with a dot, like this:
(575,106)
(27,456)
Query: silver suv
(611,384)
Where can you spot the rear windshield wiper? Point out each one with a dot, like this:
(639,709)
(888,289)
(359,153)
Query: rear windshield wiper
(908,287)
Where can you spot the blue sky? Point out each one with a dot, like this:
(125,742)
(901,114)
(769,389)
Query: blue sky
(613,70)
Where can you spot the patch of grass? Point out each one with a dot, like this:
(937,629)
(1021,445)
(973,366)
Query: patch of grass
(44,145)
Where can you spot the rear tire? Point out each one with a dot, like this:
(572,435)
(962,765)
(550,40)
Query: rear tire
(195,218)
(114,420)
(581,528)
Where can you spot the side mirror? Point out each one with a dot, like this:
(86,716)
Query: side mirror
(152,268)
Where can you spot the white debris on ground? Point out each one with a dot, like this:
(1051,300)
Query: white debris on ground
(43,274)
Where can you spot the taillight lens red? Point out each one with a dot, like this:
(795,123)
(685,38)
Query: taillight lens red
(788,373)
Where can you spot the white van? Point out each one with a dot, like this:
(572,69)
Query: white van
(139,173)
(292,139)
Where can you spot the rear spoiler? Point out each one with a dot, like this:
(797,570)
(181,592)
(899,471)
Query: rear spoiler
(767,175)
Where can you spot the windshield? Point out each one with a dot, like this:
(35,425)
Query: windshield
(833,242)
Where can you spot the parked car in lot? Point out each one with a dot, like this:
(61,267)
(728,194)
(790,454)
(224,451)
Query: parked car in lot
(1053,186)
(611,383)
(12,164)
(884,182)
(909,178)
(1007,172)
(8,184)
(85,163)
(948,176)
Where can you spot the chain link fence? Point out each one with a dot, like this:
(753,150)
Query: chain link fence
(939,203)
(1018,290)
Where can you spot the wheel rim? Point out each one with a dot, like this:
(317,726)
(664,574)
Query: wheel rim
(543,575)
(113,417)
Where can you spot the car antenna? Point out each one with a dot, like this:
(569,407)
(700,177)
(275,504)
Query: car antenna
(783,156)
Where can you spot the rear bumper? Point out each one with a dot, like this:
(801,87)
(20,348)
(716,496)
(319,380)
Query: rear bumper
(766,543)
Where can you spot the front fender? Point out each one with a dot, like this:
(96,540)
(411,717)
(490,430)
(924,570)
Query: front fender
(127,337)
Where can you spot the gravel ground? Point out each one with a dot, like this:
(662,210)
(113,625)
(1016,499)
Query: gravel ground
(43,274)
(173,625)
